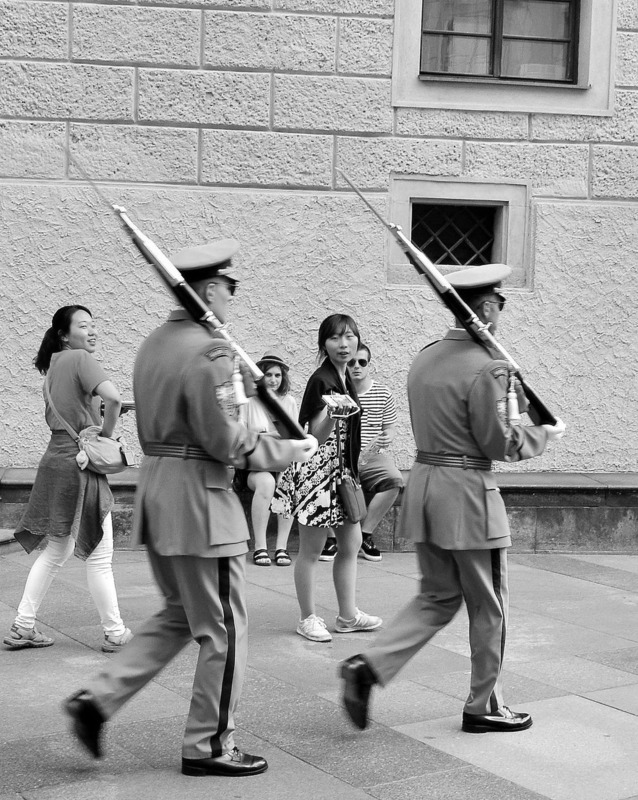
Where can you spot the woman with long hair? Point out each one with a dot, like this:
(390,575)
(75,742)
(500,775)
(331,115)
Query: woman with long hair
(257,418)
(69,510)
(308,491)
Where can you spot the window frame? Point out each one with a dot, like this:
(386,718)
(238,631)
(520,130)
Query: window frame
(593,94)
(496,37)
(511,234)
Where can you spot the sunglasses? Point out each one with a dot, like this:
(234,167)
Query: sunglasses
(232,287)
(499,303)
(362,362)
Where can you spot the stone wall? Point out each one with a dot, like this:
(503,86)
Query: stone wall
(209,119)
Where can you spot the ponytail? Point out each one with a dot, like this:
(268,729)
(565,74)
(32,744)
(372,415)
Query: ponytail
(52,340)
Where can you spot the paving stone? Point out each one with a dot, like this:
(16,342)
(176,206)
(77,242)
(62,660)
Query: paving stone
(624,698)
(574,674)
(624,659)
(576,748)
(570,660)
(467,783)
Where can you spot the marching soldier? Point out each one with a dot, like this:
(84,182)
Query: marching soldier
(187,388)
(453,510)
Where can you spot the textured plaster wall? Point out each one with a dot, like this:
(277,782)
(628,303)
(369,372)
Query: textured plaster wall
(207,119)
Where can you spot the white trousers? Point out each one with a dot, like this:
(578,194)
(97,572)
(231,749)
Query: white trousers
(99,577)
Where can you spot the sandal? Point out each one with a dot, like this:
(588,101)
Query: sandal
(261,558)
(282,558)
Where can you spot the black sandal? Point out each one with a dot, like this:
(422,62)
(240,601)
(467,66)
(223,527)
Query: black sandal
(261,558)
(282,558)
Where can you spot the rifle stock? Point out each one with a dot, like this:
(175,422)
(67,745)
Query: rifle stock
(447,294)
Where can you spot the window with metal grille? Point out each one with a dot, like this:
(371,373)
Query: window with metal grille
(459,235)
(514,40)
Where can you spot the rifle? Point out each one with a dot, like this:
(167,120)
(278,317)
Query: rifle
(198,310)
(447,294)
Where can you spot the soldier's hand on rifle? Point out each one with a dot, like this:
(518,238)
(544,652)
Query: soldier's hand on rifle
(556,431)
(304,449)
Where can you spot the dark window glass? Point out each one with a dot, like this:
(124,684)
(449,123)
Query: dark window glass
(458,16)
(528,40)
(454,234)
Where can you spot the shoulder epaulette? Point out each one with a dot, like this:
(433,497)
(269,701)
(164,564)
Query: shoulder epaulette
(218,349)
(499,371)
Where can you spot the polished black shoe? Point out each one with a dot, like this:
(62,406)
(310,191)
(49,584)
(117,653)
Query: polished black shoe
(232,764)
(502,720)
(359,680)
(87,721)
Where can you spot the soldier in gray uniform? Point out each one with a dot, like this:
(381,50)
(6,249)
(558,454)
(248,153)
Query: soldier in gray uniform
(453,510)
(192,524)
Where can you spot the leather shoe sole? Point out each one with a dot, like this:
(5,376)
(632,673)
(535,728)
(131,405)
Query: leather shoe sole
(242,764)
(87,721)
(489,723)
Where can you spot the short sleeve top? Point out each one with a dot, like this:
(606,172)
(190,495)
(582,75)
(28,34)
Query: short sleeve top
(73,378)
(257,418)
(326,380)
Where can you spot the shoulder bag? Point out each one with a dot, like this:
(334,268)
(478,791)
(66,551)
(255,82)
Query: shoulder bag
(99,453)
(348,488)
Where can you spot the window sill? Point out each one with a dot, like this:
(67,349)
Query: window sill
(520,84)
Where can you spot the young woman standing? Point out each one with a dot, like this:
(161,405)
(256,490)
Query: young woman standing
(308,491)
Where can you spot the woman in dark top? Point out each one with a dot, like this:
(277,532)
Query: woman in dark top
(308,491)
(69,508)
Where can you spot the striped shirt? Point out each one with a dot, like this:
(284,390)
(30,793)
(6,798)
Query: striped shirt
(378,410)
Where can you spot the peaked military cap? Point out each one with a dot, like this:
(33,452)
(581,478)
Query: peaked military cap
(478,281)
(207,260)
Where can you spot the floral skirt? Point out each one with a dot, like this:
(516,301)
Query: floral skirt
(308,490)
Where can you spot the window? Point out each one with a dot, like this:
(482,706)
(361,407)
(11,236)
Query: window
(454,234)
(500,39)
(459,224)
(528,56)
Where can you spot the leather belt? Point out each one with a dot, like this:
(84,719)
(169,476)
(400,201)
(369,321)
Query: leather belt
(461,462)
(176,450)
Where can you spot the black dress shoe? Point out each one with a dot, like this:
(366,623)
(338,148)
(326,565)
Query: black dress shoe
(359,680)
(502,720)
(87,721)
(232,764)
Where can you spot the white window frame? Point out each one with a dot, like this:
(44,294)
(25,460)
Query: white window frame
(511,242)
(592,95)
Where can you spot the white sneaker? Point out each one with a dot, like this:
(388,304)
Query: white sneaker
(361,622)
(113,644)
(314,628)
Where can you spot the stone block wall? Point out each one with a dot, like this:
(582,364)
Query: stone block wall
(208,119)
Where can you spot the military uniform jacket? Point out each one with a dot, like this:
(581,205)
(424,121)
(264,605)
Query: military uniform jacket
(183,389)
(457,395)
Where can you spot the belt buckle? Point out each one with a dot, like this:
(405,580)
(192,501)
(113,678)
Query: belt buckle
(465,466)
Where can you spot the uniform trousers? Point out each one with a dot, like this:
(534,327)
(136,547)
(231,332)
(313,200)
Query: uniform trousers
(204,601)
(448,577)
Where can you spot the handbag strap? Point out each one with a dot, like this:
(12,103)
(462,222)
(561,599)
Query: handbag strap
(339,450)
(65,424)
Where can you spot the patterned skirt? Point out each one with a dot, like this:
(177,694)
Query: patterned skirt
(308,490)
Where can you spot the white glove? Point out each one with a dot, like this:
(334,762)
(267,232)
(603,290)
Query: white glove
(555,432)
(304,449)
